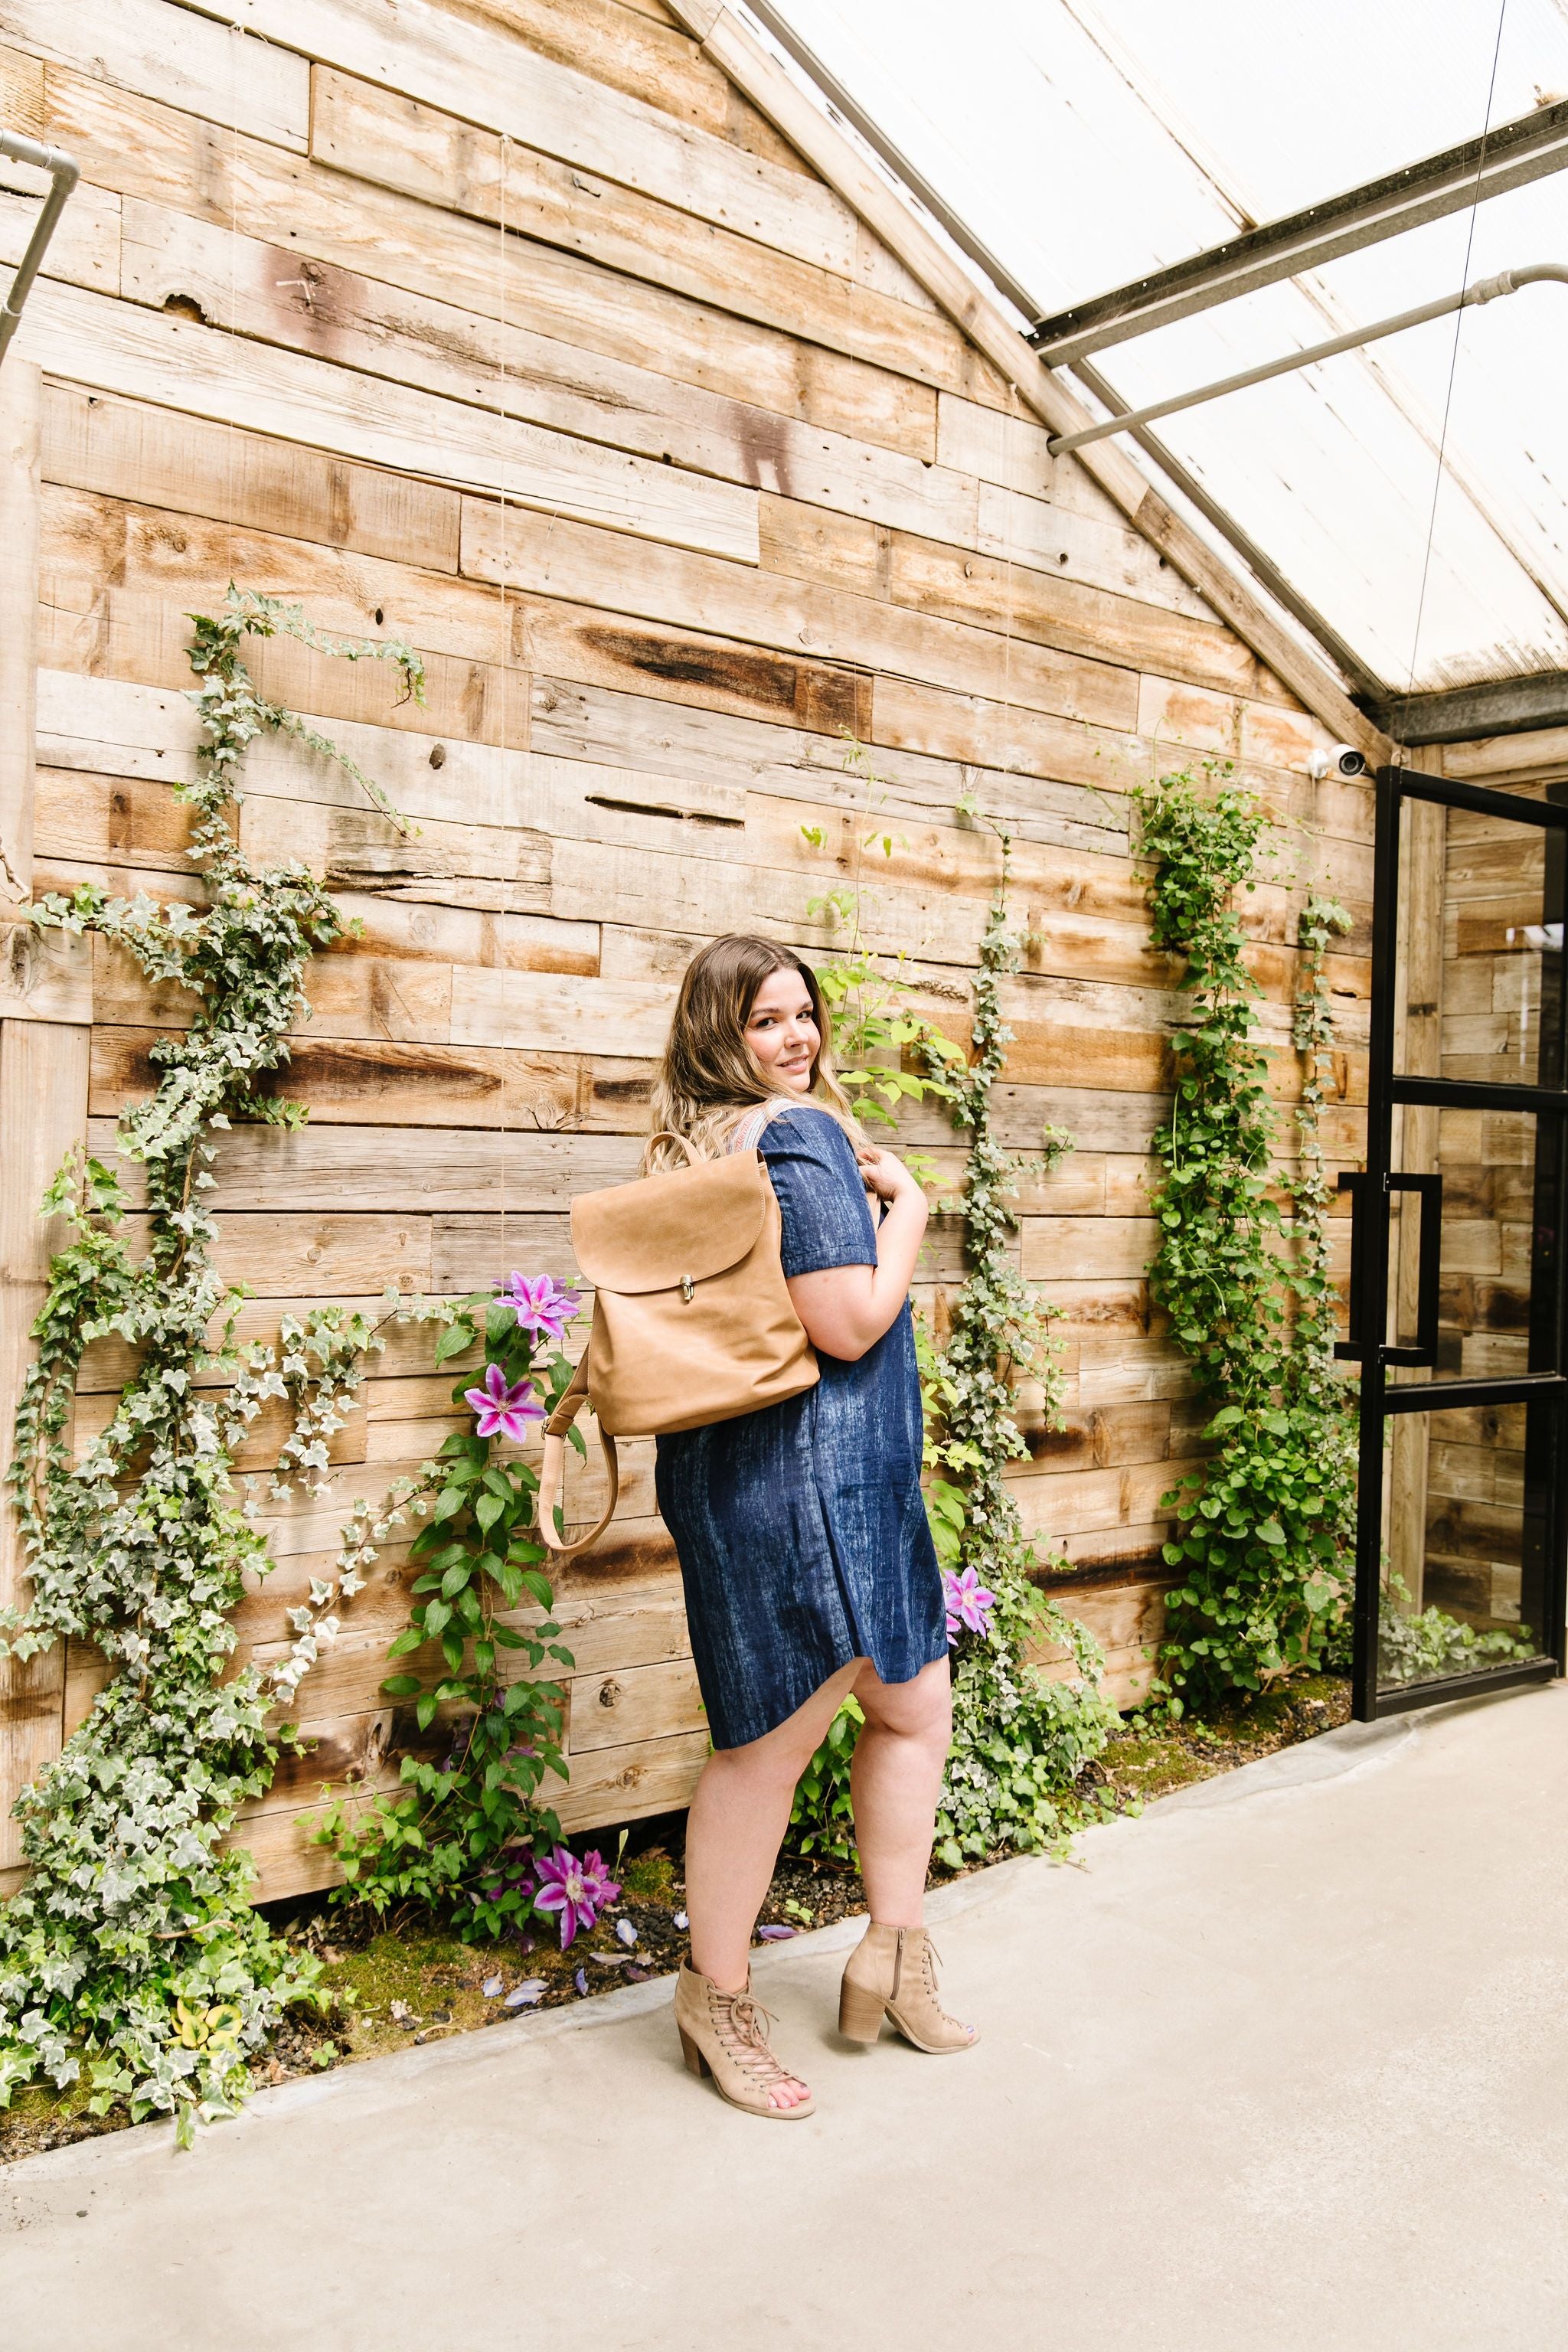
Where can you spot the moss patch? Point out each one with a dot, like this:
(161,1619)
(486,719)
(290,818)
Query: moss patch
(1153,1757)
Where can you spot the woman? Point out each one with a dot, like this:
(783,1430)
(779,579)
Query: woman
(807,1563)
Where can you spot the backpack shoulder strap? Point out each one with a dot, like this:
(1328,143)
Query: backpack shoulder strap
(747,1133)
(553,1470)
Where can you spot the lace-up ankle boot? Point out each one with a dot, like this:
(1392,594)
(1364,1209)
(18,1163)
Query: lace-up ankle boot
(725,2034)
(892,1973)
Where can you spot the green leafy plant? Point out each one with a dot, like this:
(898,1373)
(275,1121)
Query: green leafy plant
(1423,1646)
(1021,1739)
(457,1838)
(822,1820)
(1264,1528)
(131,1945)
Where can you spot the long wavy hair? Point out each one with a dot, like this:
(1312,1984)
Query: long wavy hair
(709,1075)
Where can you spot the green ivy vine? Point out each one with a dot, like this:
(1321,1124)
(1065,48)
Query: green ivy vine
(1266,1526)
(1021,1739)
(132,1946)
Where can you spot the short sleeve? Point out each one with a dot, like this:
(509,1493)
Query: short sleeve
(821,1202)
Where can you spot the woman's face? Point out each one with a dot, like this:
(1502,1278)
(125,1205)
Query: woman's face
(781,1030)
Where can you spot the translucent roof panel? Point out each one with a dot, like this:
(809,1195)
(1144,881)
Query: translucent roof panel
(1416,494)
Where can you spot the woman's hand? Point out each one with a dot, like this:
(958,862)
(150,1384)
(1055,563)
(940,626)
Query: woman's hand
(885,1175)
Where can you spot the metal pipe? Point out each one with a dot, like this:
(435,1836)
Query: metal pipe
(64,173)
(1262,565)
(1509,155)
(1485,289)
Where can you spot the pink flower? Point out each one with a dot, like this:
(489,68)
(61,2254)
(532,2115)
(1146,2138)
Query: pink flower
(578,1890)
(502,1410)
(967,1602)
(542,1305)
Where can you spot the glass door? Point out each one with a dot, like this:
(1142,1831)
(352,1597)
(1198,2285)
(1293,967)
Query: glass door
(1457,1313)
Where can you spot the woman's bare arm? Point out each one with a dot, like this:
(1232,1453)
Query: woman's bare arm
(847,1308)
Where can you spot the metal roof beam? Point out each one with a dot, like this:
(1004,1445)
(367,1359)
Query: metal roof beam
(1508,157)
(1464,714)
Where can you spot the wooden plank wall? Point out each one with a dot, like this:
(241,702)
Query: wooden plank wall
(511,328)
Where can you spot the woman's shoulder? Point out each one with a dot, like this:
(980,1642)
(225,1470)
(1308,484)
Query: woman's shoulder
(808,1130)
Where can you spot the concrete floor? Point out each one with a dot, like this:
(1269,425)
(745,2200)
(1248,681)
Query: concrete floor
(1282,2064)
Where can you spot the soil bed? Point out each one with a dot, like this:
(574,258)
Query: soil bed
(411,1979)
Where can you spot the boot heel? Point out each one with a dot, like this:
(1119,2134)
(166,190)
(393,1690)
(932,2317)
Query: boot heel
(695,2061)
(860,2012)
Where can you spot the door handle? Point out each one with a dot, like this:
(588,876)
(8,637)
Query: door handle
(1428,1268)
(1353,1182)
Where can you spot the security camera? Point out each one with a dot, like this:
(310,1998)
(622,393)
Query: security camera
(1338,760)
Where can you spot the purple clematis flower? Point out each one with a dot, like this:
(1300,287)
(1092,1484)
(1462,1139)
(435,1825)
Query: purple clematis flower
(967,1602)
(578,1890)
(503,1412)
(542,1305)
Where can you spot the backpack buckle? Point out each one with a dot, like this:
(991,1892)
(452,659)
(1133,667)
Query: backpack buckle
(686,1288)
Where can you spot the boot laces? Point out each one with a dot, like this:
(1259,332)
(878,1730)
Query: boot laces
(743,2026)
(930,1959)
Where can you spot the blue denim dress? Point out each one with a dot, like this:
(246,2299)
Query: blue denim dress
(800,1529)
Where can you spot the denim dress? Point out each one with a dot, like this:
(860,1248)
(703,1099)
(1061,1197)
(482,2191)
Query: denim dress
(800,1529)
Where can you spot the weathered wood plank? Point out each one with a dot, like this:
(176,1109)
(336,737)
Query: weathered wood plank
(20,429)
(85,247)
(175,363)
(139,149)
(644,56)
(182,59)
(588,568)
(410,148)
(1055,608)
(189,466)
(585,722)
(266,292)
(43,1113)
(483,76)
(362,1168)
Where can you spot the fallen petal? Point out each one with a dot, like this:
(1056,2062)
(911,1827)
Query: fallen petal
(492,1987)
(523,1995)
(625,1931)
(581,1980)
(774,1934)
(680,1921)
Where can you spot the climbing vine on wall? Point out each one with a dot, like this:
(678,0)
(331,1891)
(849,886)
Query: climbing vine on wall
(1265,1528)
(131,1947)
(1020,1740)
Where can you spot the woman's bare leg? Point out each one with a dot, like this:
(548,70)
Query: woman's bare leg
(733,1833)
(894,1784)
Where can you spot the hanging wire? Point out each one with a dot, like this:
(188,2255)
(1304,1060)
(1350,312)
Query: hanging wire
(1400,750)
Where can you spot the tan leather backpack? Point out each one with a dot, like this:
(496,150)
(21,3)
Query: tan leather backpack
(692,1317)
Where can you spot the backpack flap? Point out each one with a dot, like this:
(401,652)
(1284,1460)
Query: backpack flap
(694,1224)
(693,1321)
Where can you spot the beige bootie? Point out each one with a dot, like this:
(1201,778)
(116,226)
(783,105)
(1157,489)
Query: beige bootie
(725,2034)
(892,1972)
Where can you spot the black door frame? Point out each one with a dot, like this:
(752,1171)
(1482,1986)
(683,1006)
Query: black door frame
(1545,1392)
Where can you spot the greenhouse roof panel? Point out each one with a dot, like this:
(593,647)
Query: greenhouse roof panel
(1416,493)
